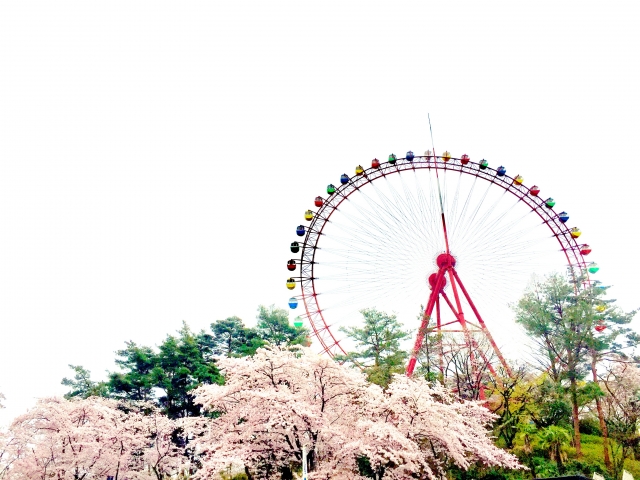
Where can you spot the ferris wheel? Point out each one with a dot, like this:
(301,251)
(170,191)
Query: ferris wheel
(443,243)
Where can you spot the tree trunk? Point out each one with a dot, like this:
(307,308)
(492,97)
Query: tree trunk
(576,420)
(248,473)
(531,464)
(311,460)
(559,462)
(286,473)
(603,425)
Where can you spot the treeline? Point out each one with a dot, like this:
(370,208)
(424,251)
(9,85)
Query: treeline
(275,408)
(168,374)
(581,381)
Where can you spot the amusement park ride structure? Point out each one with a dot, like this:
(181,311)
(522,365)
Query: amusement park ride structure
(467,319)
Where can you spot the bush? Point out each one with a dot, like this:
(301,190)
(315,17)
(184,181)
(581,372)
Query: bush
(237,476)
(476,472)
(545,468)
(590,426)
(586,469)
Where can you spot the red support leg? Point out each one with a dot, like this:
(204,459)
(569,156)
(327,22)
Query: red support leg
(440,349)
(446,263)
(463,323)
(482,324)
(438,284)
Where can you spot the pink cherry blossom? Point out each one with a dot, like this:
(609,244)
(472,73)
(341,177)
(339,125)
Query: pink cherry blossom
(92,438)
(279,400)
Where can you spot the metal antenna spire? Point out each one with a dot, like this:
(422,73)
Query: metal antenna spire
(444,224)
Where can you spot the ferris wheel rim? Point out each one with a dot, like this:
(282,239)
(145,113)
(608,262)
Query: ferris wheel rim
(312,234)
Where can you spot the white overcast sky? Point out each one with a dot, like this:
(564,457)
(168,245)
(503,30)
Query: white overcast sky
(156,157)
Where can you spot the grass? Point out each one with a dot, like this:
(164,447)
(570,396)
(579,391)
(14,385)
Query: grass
(592,460)
(592,454)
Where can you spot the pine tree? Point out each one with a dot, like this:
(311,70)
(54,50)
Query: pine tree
(378,346)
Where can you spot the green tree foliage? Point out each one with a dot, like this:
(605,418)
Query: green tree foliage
(378,348)
(606,344)
(134,382)
(274,327)
(561,316)
(551,405)
(511,400)
(81,384)
(555,440)
(182,363)
(229,337)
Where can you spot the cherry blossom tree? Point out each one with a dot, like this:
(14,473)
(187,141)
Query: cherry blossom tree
(621,383)
(68,440)
(425,429)
(160,444)
(91,438)
(274,403)
(271,406)
(280,400)
(8,450)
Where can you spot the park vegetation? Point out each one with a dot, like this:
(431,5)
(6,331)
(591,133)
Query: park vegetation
(239,402)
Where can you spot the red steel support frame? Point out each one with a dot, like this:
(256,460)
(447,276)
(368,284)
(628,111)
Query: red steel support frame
(446,267)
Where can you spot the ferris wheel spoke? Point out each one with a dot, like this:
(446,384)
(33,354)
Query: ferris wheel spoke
(399,203)
(339,273)
(384,203)
(411,201)
(381,211)
(380,272)
(446,193)
(507,237)
(495,217)
(353,305)
(367,230)
(378,267)
(417,209)
(428,216)
(392,221)
(452,210)
(382,214)
(345,260)
(359,247)
(477,222)
(503,237)
(469,220)
(510,225)
(461,216)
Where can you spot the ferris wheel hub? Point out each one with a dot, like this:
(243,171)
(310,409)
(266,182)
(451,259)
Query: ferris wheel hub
(445,260)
